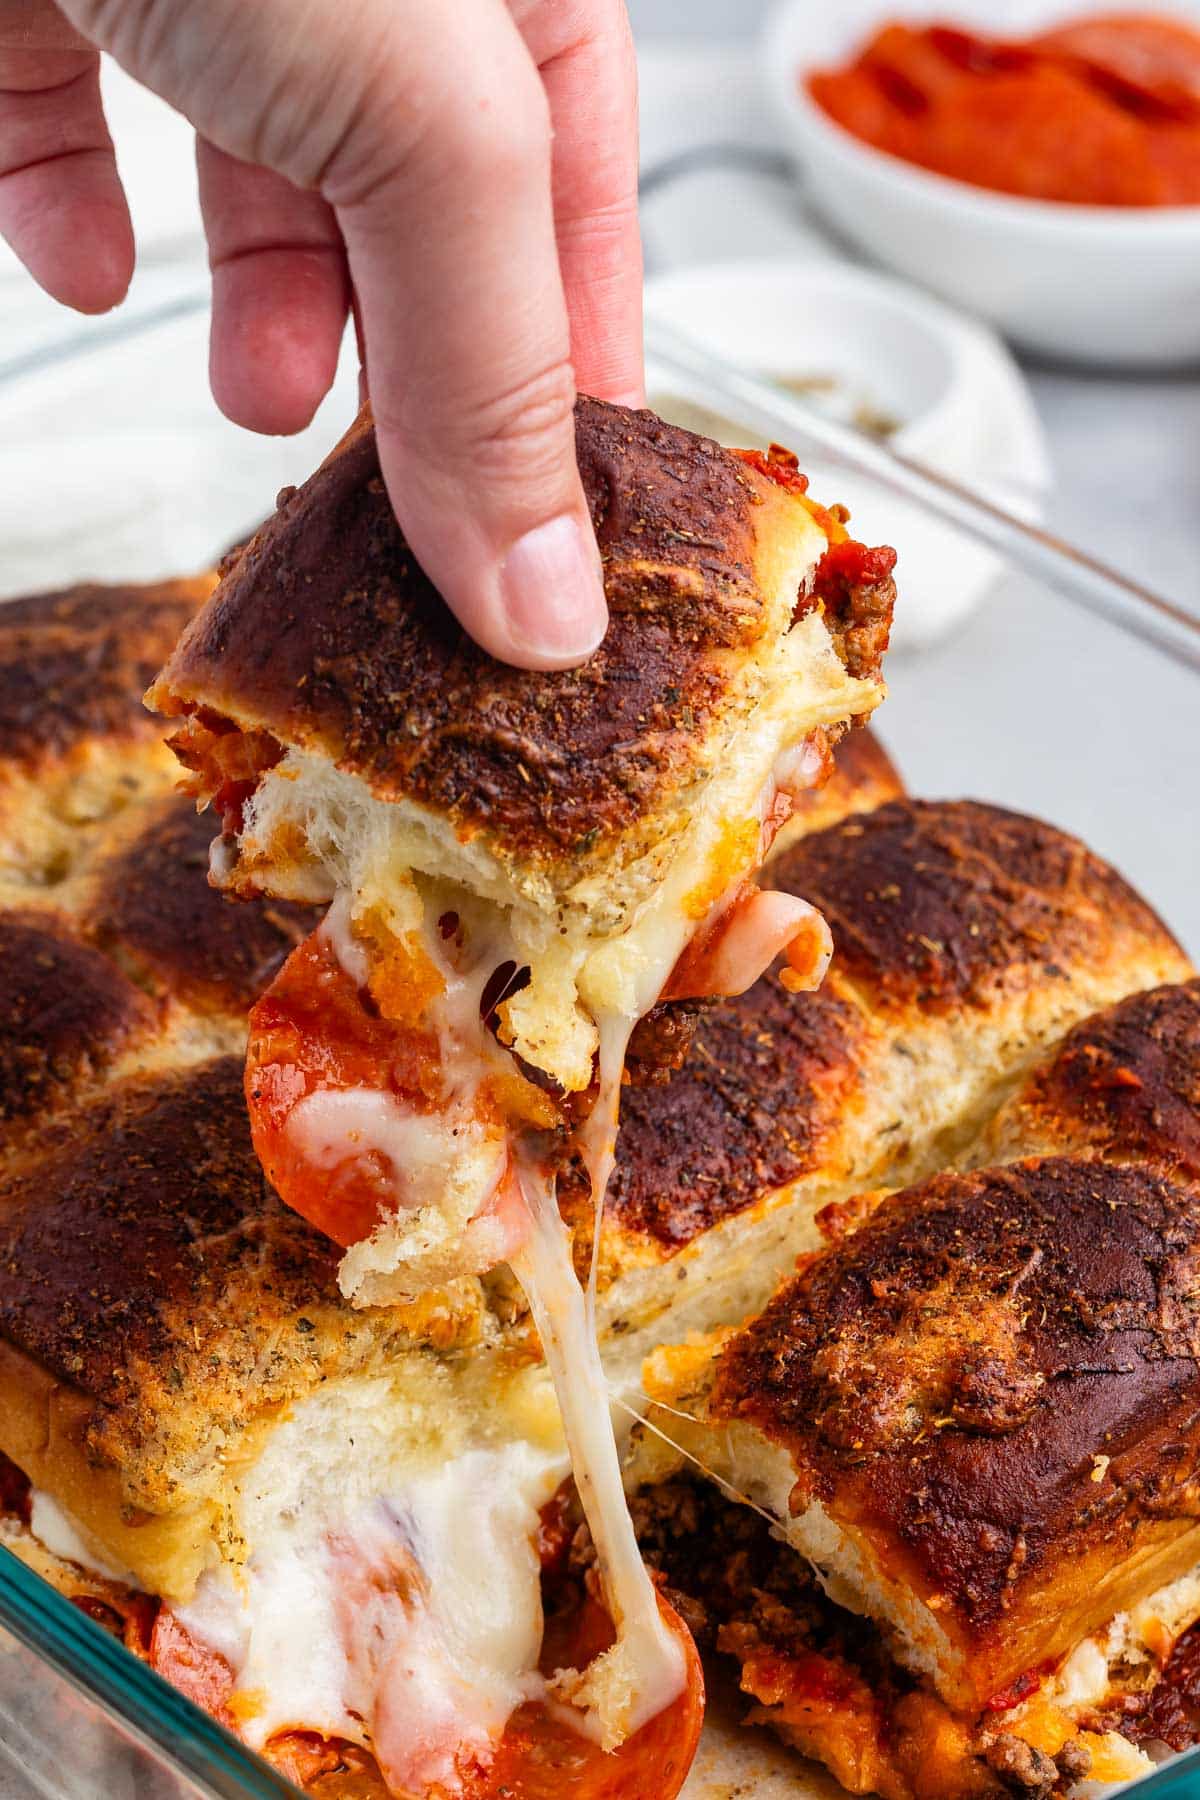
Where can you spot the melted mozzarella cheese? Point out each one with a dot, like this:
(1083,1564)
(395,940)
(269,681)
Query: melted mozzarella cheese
(1083,1678)
(607,943)
(446,1167)
(338,932)
(390,1591)
(423,1150)
(799,767)
(596,1139)
(57,1531)
(644,1671)
(594,968)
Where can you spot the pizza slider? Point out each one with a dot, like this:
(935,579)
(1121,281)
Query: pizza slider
(76,743)
(324,1524)
(968,939)
(519,865)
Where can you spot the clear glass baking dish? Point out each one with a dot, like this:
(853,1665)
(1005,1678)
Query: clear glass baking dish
(113,464)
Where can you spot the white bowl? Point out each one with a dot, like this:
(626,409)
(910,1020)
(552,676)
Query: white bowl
(1097,284)
(959,403)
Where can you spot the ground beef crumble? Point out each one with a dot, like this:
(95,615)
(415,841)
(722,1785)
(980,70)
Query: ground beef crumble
(1031,1773)
(739,1589)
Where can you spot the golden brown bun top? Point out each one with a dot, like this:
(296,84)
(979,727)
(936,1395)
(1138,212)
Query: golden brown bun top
(118,1131)
(944,1375)
(130,1198)
(116,952)
(132,956)
(933,903)
(65,1010)
(153,910)
(326,634)
(150,1277)
(1124,1085)
(947,1376)
(148,1270)
(147,1266)
(75,663)
(947,910)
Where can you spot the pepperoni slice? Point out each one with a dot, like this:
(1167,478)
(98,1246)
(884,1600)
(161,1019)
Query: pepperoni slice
(542,1757)
(200,1673)
(313,1032)
(753,930)
(324,1765)
(351,1112)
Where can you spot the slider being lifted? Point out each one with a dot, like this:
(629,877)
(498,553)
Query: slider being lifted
(519,869)
(521,865)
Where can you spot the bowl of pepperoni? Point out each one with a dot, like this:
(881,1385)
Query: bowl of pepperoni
(1040,169)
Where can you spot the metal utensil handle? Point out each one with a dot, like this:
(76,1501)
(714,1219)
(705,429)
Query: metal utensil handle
(773,412)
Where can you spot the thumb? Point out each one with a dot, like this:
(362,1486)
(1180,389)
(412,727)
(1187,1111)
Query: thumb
(453,256)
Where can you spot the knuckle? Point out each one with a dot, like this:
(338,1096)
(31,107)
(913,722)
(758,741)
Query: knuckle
(522,435)
(601,232)
(531,421)
(348,139)
(312,121)
(291,139)
(525,444)
(135,34)
(486,141)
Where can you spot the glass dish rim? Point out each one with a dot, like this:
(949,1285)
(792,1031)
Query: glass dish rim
(129,1692)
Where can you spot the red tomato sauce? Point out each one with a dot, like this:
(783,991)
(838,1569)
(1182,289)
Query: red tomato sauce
(1016,1691)
(782,466)
(1101,111)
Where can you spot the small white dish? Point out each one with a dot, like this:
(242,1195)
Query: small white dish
(1112,285)
(957,400)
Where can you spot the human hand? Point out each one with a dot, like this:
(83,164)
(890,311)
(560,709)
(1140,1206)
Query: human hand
(467,172)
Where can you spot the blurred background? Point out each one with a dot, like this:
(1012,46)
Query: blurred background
(697,18)
(1045,356)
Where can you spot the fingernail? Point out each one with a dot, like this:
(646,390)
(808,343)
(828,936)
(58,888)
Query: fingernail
(552,592)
